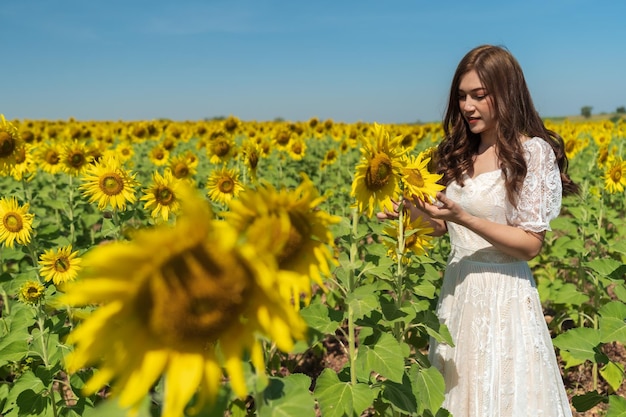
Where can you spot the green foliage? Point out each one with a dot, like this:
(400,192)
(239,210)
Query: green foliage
(380,312)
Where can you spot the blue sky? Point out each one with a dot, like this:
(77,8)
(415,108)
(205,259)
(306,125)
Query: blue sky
(374,61)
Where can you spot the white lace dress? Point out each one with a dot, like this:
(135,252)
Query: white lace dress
(503,363)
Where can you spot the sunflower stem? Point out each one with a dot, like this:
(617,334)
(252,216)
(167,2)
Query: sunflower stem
(70,213)
(117,225)
(398,331)
(351,288)
(41,319)
(32,252)
(27,194)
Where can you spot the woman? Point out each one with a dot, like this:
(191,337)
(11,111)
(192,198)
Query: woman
(505,174)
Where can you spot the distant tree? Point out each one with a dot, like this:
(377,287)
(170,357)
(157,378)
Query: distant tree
(585,111)
(621,110)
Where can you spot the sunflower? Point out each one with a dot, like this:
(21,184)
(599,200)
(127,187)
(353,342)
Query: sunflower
(418,181)
(24,167)
(182,301)
(223,184)
(252,154)
(183,167)
(159,155)
(10,143)
(15,222)
(220,149)
(377,179)
(124,151)
(75,158)
(60,265)
(161,196)
(31,292)
(417,238)
(290,225)
(330,158)
(108,183)
(615,176)
(296,149)
(48,156)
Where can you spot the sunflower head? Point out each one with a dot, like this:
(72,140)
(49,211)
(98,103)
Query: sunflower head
(11,143)
(15,222)
(60,265)
(181,300)
(417,238)
(31,292)
(615,176)
(75,158)
(162,197)
(418,181)
(109,184)
(290,225)
(377,180)
(223,185)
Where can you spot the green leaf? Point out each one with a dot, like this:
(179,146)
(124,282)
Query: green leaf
(317,316)
(111,408)
(617,406)
(612,324)
(287,397)
(384,357)
(569,360)
(14,346)
(439,331)
(620,292)
(429,387)
(587,401)
(613,374)
(25,395)
(581,343)
(400,396)
(342,399)
(605,267)
(363,301)
(567,294)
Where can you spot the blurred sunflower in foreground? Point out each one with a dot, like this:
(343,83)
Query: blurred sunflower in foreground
(290,225)
(377,179)
(180,301)
(15,222)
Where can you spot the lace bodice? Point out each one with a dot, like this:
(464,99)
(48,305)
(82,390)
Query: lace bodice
(539,201)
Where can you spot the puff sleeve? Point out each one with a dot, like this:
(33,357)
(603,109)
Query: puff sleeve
(539,200)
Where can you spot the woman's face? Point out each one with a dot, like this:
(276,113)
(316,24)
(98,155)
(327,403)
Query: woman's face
(476,105)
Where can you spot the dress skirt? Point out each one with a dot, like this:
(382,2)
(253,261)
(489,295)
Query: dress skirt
(503,363)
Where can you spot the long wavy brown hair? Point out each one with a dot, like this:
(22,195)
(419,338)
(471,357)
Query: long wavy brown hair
(515,112)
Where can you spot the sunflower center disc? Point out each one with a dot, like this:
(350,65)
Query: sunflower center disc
(197,296)
(378,172)
(12,222)
(7,144)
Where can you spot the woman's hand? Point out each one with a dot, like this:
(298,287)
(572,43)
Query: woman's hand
(442,209)
(419,209)
(389,215)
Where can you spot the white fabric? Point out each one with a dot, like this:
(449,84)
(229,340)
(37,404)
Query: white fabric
(503,363)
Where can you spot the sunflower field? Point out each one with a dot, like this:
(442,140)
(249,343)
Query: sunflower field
(237,268)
